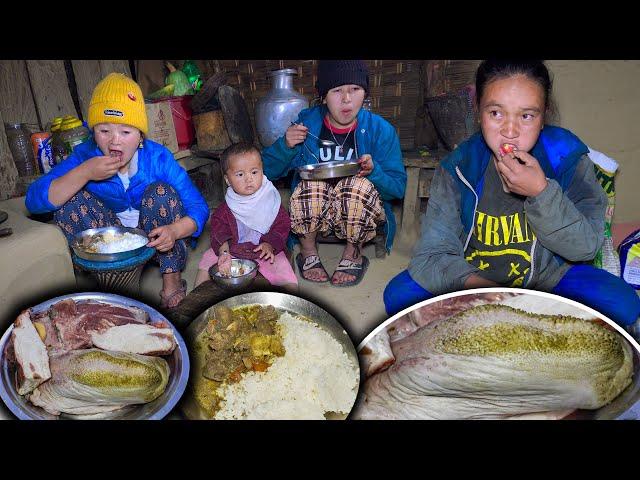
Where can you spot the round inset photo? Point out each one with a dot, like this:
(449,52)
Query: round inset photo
(269,355)
(92,356)
(499,353)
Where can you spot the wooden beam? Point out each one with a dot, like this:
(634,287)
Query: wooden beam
(87,74)
(17,104)
(118,66)
(421,162)
(8,171)
(424,184)
(50,89)
(150,75)
(410,206)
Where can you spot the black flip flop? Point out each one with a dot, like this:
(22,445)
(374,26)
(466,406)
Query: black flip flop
(315,264)
(351,268)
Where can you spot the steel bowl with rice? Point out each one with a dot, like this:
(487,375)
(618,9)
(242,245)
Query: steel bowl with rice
(315,376)
(109,244)
(243,271)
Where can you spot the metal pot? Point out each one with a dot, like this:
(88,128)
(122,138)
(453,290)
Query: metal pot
(279,107)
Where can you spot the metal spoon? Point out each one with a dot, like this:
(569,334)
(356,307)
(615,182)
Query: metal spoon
(324,143)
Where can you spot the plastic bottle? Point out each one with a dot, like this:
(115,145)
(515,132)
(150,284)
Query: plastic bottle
(41,142)
(18,137)
(73,134)
(193,73)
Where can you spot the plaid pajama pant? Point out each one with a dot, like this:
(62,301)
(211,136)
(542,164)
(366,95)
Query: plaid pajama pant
(349,207)
(161,205)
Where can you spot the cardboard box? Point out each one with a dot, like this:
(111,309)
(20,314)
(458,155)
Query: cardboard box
(161,127)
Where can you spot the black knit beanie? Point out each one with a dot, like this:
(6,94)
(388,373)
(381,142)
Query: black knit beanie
(334,73)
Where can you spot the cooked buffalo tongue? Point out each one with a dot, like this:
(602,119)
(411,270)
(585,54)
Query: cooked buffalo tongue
(135,338)
(93,381)
(494,361)
(377,354)
(30,354)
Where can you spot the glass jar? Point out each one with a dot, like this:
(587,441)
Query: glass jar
(73,134)
(19,139)
(57,147)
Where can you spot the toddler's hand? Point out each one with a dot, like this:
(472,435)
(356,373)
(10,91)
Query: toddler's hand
(224,264)
(266,252)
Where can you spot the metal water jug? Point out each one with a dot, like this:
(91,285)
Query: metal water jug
(279,107)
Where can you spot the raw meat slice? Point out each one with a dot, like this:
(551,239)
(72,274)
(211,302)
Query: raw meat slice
(74,322)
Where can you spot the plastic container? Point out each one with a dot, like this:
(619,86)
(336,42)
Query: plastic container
(630,259)
(41,143)
(57,147)
(73,134)
(19,139)
(182,113)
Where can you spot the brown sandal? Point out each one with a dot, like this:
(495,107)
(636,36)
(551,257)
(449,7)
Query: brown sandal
(168,301)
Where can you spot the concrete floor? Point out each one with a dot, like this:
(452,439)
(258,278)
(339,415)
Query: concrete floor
(359,308)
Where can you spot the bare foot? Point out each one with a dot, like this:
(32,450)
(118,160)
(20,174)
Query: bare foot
(174,289)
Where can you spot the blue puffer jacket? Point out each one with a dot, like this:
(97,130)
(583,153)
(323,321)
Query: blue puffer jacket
(155,163)
(374,136)
(567,217)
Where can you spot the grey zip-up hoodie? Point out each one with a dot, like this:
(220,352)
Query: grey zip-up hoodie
(567,217)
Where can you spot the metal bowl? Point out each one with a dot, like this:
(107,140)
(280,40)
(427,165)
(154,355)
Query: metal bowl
(85,237)
(235,280)
(327,170)
(178,367)
(284,303)
(625,406)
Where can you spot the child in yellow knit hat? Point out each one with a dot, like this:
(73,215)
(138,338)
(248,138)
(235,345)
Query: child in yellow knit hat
(118,177)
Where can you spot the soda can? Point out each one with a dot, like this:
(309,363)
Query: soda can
(41,142)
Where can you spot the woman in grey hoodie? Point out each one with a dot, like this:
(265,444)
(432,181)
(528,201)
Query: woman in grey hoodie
(516,205)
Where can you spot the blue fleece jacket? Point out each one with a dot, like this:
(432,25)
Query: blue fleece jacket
(155,163)
(567,217)
(374,136)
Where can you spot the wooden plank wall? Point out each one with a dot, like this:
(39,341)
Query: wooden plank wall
(36,91)
(8,171)
(50,89)
(17,105)
(88,73)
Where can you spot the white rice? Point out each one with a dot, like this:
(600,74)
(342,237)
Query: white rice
(120,243)
(315,376)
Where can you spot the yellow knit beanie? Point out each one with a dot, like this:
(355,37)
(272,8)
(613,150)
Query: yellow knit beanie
(118,99)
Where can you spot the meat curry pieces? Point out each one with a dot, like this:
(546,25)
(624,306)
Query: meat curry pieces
(234,342)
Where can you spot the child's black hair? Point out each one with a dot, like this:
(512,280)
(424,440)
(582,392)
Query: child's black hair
(236,149)
(536,70)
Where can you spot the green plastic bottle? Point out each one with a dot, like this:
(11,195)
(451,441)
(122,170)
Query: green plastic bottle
(193,74)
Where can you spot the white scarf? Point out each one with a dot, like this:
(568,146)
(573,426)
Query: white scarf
(258,210)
